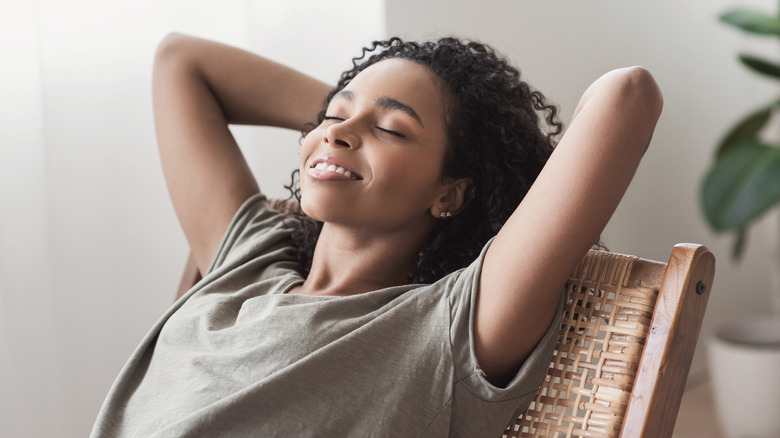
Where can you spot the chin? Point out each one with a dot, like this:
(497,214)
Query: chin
(327,209)
(317,208)
(307,208)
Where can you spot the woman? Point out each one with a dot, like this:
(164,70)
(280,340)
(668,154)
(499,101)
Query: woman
(390,309)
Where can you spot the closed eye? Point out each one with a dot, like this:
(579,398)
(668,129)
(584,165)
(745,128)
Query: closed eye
(340,119)
(394,133)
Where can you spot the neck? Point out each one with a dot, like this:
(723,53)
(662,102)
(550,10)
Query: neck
(347,262)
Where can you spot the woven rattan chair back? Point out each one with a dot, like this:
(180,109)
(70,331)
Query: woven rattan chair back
(626,343)
(627,338)
(604,327)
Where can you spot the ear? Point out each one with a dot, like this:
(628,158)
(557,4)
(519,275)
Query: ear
(453,198)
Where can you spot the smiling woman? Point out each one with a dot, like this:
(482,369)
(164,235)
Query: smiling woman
(387,308)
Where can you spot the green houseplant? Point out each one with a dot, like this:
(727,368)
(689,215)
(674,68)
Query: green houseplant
(741,185)
(743,182)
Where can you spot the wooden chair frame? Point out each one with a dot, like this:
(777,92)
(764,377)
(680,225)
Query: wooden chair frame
(627,340)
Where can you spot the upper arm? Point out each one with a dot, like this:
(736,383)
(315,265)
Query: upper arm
(206,174)
(199,87)
(562,215)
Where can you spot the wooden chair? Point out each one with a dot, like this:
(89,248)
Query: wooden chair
(627,338)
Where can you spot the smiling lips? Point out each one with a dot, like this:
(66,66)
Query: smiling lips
(329,169)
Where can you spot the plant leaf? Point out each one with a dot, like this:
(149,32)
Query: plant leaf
(739,244)
(752,21)
(761,66)
(747,128)
(743,184)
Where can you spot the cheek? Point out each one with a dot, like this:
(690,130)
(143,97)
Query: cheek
(307,146)
(303,156)
(409,176)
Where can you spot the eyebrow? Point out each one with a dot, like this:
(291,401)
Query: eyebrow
(387,103)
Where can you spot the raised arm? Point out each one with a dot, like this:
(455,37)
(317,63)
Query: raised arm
(199,87)
(562,215)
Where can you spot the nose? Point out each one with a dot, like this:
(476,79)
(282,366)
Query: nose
(342,134)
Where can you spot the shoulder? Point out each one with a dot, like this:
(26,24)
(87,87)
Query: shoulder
(256,229)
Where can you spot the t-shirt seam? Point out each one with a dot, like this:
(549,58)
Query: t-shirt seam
(477,396)
(436,417)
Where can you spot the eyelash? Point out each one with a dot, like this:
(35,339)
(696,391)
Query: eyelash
(387,131)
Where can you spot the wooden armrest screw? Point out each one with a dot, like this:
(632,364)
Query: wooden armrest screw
(700,287)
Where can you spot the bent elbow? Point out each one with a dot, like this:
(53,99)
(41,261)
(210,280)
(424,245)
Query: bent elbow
(642,98)
(171,48)
(642,87)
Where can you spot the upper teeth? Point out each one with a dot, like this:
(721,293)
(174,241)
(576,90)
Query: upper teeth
(333,168)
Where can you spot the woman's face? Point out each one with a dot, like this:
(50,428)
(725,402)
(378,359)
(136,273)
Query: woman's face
(376,160)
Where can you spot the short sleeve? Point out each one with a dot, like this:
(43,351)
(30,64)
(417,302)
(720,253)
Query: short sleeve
(255,229)
(472,391)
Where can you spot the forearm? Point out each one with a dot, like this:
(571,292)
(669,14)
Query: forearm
(248,88)
(199,87)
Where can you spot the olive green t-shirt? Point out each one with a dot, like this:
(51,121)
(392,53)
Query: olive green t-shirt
(238,357)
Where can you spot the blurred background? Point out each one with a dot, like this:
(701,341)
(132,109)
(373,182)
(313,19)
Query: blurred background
(90,249)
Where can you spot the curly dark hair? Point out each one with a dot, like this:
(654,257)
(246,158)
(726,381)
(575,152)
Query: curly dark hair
(495,136)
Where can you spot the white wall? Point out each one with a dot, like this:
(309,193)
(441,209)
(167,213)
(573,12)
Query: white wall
(90,250)
(28,377)
(562,46)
